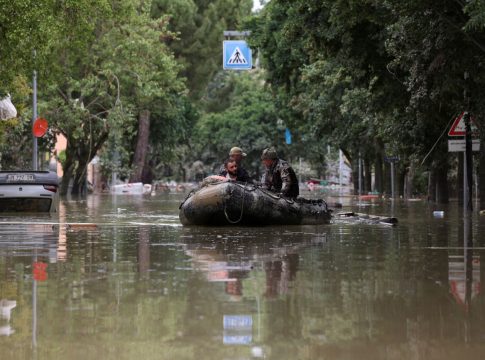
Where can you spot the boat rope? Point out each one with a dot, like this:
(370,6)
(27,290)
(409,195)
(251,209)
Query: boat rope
(242,208)
(275,196)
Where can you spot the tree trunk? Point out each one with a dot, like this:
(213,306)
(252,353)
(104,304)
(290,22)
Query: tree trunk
(97,179)
(367,177)
(431,186)
(68,170)
(379,175)
(408,182)
(378,181)
(442,194)
(78,185)
(387,190)
(355,175)
(66,176)
(141,146)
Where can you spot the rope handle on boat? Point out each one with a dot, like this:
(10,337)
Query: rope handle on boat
(242,209)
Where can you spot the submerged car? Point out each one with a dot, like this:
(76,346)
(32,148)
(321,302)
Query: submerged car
(28,191)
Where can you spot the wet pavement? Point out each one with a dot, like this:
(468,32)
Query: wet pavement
(120,278)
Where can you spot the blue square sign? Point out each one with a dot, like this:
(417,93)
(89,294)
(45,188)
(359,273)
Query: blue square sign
(236,55)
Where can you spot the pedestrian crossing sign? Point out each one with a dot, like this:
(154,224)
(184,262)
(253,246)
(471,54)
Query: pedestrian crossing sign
(236,55)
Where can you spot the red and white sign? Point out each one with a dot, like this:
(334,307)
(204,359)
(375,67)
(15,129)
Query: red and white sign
(458,127)
(40,127)
(39,270)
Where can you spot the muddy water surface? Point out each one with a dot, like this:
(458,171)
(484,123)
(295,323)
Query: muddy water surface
(120,278)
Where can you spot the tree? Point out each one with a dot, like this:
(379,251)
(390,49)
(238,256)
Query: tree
(27,28)
(34,36)
(365,73)
(249,121)
(125,73)
(199,25)
(326,63)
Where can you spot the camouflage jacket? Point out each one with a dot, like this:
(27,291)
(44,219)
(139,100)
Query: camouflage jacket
(281,178)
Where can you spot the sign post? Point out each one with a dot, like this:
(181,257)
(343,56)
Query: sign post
(360,176)
(464,126)
(468,185)
(34,117)
(392,160)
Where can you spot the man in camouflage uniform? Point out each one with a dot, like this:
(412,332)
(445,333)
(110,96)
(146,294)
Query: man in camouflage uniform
(279,177)
(237,155)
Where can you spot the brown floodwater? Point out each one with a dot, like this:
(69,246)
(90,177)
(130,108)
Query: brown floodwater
(120,278)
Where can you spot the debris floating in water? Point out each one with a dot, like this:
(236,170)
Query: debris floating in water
(366,218)
(438,214)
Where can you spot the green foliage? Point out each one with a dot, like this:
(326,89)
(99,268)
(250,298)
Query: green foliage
(326,62)
(249,122)
(121,67)
(476,10)
(358,73)
(148,78)
(199,25)
(26,26)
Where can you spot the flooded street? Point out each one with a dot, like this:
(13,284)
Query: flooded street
(120,278)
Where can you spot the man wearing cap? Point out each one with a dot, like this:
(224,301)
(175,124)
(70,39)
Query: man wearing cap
(279,176)
(237,155)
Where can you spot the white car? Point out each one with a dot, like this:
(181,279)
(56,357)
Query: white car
(28,191)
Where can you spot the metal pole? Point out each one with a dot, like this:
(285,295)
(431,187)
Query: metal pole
(360,175)
(34,117)
(467,160)
(465,181)
(340,160)
(392,180)
(469,163)
(475,179)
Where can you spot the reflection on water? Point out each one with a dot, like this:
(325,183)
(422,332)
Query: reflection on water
(119,278)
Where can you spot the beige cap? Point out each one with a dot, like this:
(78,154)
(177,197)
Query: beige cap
(269,153)
(237,151)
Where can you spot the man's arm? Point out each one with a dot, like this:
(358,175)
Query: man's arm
(265,184)
(286,179)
